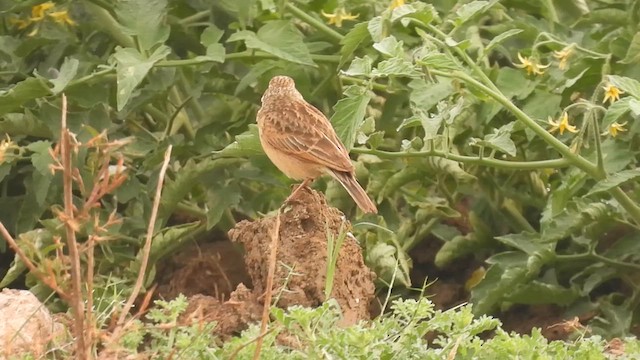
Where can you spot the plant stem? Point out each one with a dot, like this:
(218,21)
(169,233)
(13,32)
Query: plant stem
(104,19)
(195,17)
(563,149)
(314,22)
(500,164)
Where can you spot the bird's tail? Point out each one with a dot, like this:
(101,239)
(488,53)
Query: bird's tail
(354,189)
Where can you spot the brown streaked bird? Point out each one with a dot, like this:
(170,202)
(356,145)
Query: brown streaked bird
(300,141)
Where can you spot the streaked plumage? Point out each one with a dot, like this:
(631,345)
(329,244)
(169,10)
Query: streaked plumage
(301,142)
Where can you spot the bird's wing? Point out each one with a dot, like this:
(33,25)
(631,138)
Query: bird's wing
(302,131)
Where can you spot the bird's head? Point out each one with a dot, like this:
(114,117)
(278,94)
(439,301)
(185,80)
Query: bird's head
(281,87)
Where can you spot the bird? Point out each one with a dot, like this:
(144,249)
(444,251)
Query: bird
(300,141)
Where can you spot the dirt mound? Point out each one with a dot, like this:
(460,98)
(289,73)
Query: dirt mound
(302,257)
(207,273)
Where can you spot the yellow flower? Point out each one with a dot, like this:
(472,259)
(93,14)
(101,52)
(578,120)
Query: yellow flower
(615,128)
(4,146)
(339,16)
(19,23)
(396,3)
(562,124)
(611,93)
(62,17)
(563,55)
(531,65)
(38,12)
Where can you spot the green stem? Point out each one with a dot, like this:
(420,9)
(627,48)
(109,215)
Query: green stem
(195,17)
(467,59)
(596,138)
(314,22)
(575,159)
(472,160)
(593,256)
(104,19)
(242,55)
(354,80)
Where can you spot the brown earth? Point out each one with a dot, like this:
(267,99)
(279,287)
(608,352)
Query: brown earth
(213,275)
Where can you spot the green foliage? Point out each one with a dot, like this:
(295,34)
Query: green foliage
(453,111)
(306,333)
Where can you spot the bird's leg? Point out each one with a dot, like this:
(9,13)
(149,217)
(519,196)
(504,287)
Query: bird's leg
(295,192)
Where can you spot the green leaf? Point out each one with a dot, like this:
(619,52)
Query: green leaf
(144,19)
(279,38)
(360,67)
(513,83)
(166,242)
(614,180)
(630,86)
(68,71)
(15,97)
(499,39)
(24,124)
(615,111)
(220,200)
(526,242)
(390,46)
(633,54)
(41,159)
(396,67)
(500,140)
(425,95)
(349,113)
(352,41)
(425,13)
(245,145)
(210,39)
(469,10)
(537,292)
(131,68)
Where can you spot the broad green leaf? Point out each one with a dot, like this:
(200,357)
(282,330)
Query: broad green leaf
(24,124)
(167,241)
(31,88)
(615,111)
(425,95)
(633,54)
(352,41)
(255,73)
(245,145)
(513,83)
(630,86)
(29,242)
(390,46)
(396,67)
(469,10)
(131,69)
(377,28)
(577,215)
(455,248)
(499,39)
(144,19)
(508,270)
(67,72)
(360,67)
(614,180)
(526,242)
(41,159)
(499,140)
(220,200)
(210,39)
(279,38)
(425,13)
(542,104)
(175,190)
(349,114)
(537,292)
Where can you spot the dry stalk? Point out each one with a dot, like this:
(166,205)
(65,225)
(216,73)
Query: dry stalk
(120,325)
(275,237)
(77,303)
